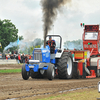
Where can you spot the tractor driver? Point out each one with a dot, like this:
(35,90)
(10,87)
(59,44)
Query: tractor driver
(51,44)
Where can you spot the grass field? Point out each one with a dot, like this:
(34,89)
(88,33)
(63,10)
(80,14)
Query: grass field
(85,94)
(10,71)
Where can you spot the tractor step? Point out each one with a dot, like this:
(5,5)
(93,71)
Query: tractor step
(92,74)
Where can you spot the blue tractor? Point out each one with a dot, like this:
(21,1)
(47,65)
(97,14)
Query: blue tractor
(45,64)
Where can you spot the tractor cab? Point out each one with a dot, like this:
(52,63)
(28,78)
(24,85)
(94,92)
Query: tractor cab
(48,54)
(55,47)
(91,39)
(57,39)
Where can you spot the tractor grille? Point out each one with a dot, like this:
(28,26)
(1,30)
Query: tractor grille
(38,56)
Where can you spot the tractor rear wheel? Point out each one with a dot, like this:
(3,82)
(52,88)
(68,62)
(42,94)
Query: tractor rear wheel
(51,72)
(65,66)
(25,74)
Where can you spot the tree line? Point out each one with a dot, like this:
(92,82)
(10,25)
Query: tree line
(9,33)
(75,44)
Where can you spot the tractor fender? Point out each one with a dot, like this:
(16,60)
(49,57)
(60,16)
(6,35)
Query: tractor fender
(58,54)
(41,65)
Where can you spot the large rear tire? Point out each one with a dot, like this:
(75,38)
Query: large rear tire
(25,74)
(51,72)
(65,66)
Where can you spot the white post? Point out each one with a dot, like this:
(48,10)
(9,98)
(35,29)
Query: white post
(99,86)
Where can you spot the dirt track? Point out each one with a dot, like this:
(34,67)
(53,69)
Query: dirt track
(13,86)
(10,66)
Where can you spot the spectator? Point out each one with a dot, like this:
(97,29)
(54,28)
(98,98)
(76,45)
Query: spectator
(8,51)
(7,56)
(16,51)
(12,56)
(26,59)
(23,58)
(19,59)
(29,56)
(3,55)
(16,57)
(0,55)
(12,52)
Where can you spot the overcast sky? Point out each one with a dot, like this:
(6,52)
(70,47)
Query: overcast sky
(27,17)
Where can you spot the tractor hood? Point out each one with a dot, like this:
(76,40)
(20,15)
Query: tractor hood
(42,54)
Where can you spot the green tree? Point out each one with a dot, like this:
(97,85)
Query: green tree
(32,48)
(8,32)
(13,48)
(38,46)
(21,38)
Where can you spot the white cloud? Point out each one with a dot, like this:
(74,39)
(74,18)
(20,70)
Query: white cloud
(27,17)
(21,14)
(85,6)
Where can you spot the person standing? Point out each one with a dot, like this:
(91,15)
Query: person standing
(29,56)
(8,51)
(19,59)
(23,58)
(16,51)
(3,55)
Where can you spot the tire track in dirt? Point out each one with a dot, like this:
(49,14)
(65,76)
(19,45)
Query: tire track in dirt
(13,86)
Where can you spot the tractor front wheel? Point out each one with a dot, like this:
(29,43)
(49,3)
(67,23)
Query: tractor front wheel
(51,72)
(25,74)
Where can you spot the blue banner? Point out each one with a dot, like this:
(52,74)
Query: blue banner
(18,40)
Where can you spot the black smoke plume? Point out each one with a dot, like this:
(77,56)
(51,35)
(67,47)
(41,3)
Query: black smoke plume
(50,8)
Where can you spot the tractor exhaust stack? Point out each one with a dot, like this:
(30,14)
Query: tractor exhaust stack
(45,37)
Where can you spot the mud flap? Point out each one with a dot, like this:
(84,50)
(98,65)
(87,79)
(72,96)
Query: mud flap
(84,72)
(75,73)
(79,70)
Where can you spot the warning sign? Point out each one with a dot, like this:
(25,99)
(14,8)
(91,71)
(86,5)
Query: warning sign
(79,55)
